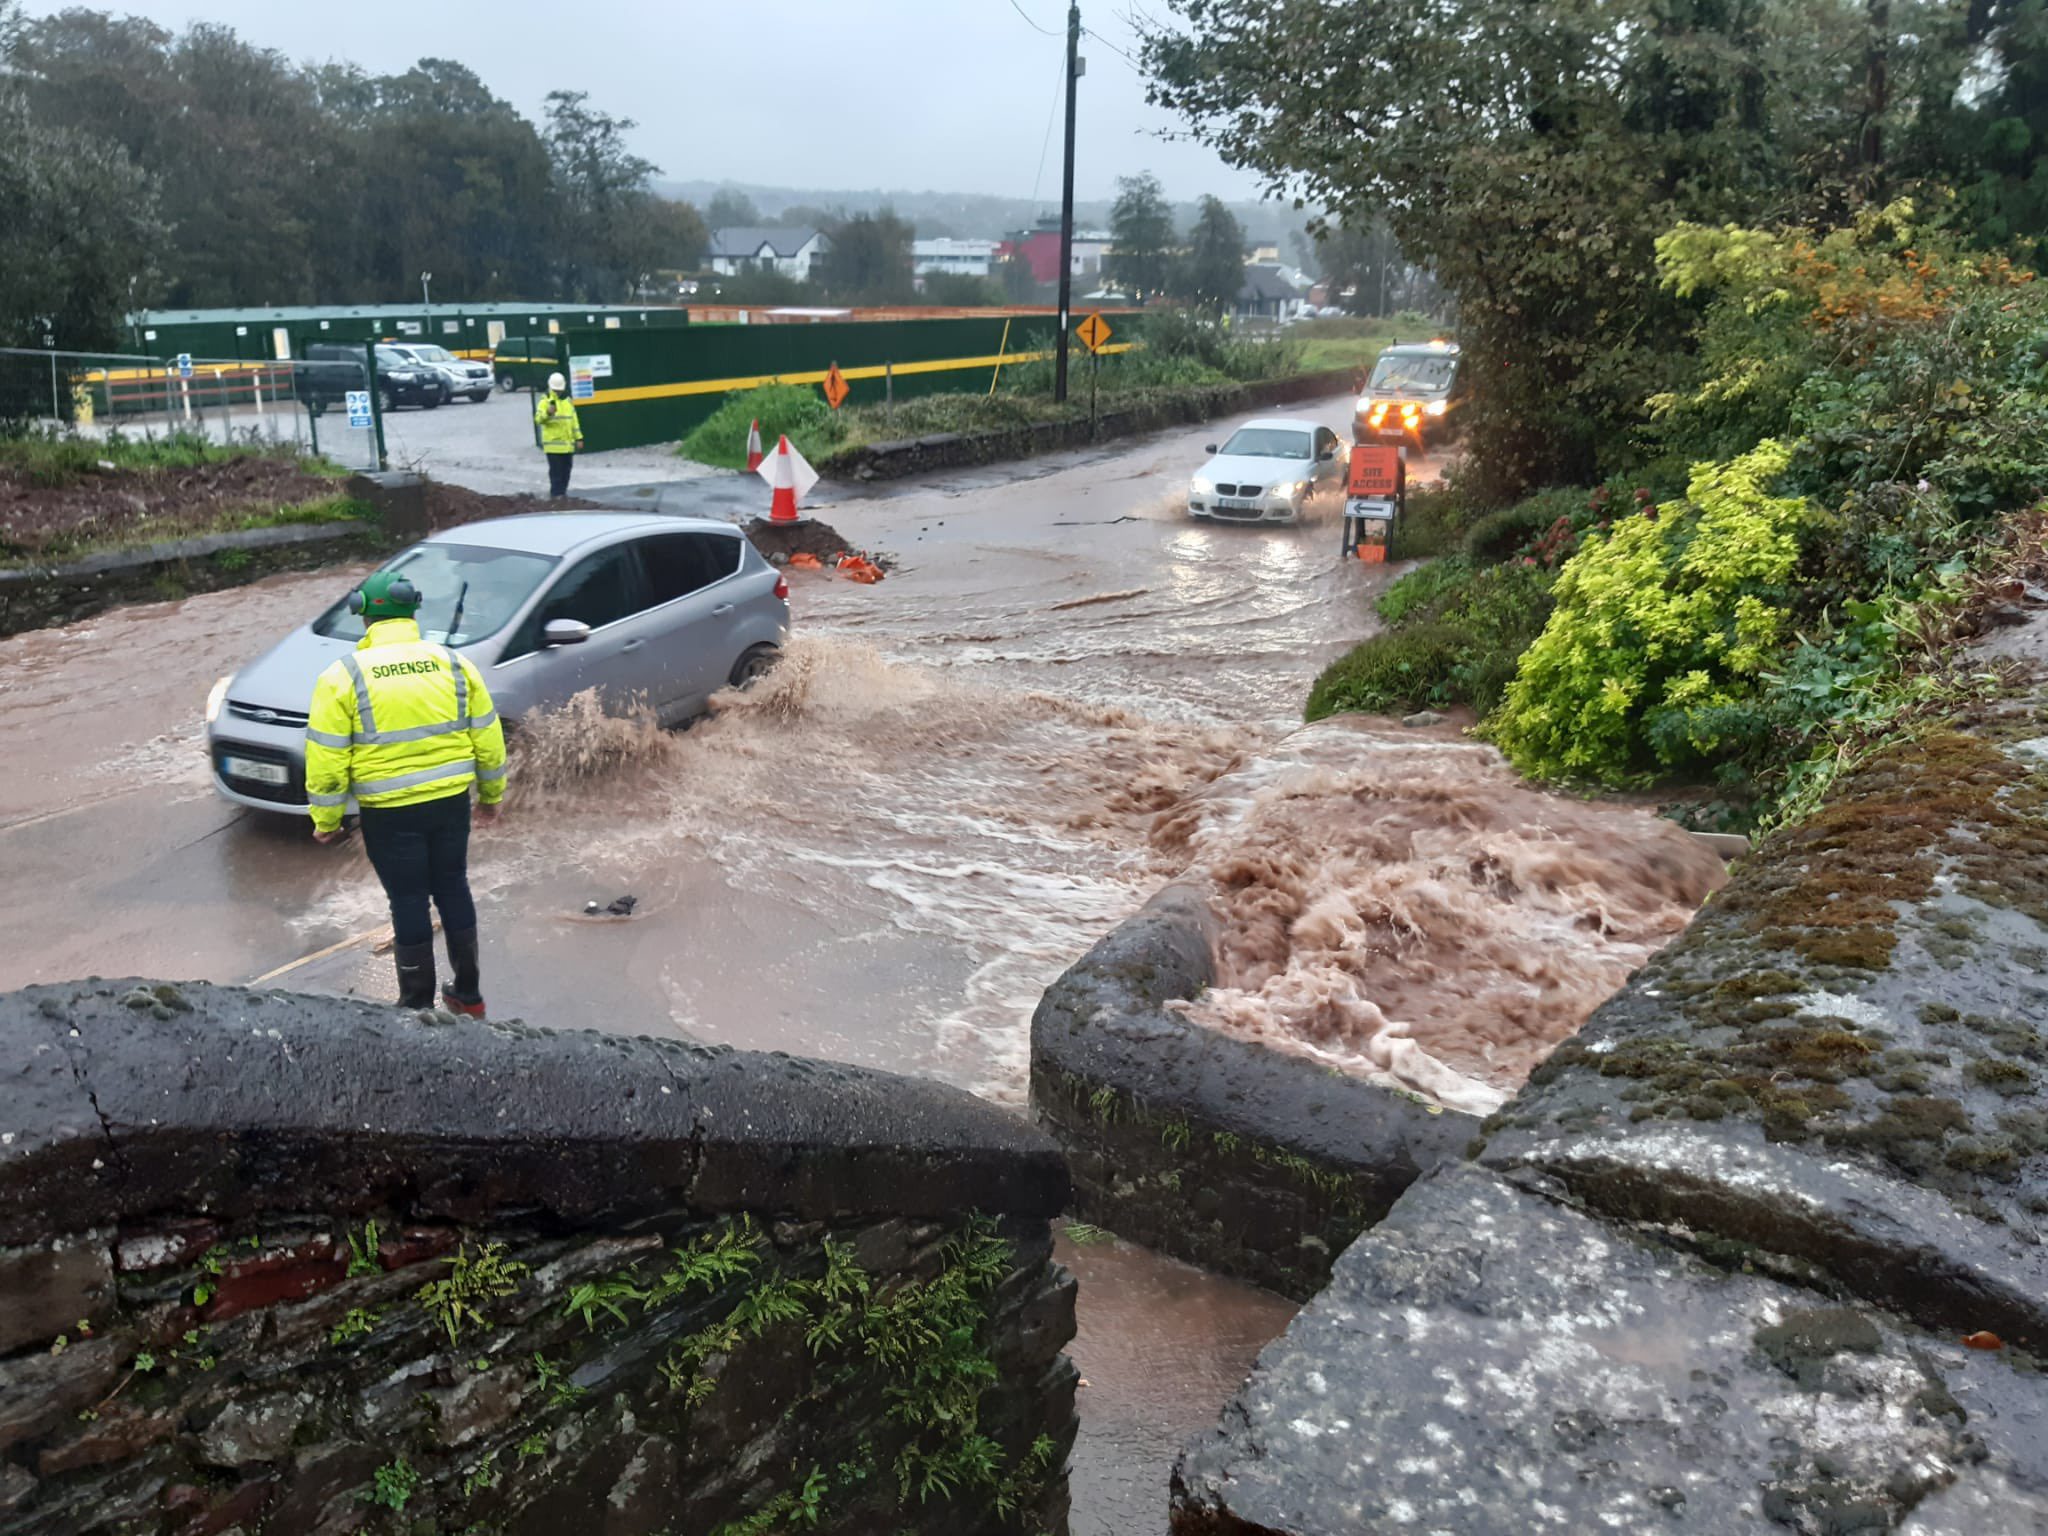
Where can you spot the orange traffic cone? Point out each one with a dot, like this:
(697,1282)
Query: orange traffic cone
(790,474)
(753,446)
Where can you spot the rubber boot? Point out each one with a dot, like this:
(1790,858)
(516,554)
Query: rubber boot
(462,994)
(415,974)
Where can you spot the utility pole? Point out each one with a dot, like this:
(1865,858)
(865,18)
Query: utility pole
(1074,67)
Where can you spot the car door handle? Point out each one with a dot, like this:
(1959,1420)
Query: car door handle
(632,645)
(721,610)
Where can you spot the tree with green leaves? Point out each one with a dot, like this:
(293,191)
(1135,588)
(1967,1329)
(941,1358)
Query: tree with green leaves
(1211,275)
(1141,254)
(606,241)
(731,208)
(869,260)
(78,240)
(1528,152)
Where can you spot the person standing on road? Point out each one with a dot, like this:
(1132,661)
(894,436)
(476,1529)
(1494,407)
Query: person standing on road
(561,435)
(406,727)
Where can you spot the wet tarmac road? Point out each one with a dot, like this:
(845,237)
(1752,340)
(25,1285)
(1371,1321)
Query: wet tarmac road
(883,855)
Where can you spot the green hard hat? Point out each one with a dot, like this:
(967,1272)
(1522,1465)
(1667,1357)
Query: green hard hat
(385,595)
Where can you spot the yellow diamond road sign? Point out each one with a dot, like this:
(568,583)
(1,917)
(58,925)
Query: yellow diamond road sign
(1094,332)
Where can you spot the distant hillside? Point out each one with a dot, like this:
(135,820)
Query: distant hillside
(971,215)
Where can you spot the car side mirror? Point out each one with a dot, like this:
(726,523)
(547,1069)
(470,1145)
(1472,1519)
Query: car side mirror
(564,632)
(1210,448)
(1329,455)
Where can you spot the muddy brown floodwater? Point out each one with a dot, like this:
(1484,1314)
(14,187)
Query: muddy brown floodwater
(883,854)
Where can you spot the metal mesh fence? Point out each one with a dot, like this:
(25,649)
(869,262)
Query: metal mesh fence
(321,407)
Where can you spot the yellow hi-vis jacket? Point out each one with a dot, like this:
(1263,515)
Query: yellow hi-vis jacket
(558,433)
(400,721)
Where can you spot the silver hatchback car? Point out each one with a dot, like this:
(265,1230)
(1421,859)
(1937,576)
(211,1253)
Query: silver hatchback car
(653,612)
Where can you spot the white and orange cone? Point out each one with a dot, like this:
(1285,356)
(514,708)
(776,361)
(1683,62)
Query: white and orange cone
(753,446)
(791,475)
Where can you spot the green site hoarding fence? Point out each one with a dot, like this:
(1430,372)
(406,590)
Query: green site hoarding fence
(253,335)
(651,386)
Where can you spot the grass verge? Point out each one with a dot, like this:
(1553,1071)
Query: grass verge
(57,460)
(337,508)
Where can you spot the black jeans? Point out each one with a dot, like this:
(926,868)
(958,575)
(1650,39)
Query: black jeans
(558,473)
(418,851)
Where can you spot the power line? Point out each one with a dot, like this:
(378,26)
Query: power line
(1051,114)
(1048,31)
(1112,47)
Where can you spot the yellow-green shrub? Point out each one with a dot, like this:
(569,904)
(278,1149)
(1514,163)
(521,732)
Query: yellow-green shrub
(1661,632)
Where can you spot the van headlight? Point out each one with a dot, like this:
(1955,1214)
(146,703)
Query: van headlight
(214,698)
(1437,407)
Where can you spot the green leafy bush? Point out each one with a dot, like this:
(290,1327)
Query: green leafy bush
(1512,531)
(1422,587)
(1455,634)
(1403,669)
(1662,633)
(1432,522)
(796,410)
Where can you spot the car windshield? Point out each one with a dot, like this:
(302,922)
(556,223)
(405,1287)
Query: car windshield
(1268,443)
(500,581)
(392,357)
(434,354)
(1414,372)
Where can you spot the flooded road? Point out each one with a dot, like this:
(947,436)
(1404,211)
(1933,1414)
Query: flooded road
(882,855)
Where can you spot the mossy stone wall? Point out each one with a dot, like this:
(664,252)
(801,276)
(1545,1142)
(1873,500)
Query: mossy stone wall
(344,1270)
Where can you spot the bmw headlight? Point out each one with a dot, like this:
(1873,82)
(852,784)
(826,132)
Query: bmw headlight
(215,698)
(1299,488)
(1202,487)
(1437,407)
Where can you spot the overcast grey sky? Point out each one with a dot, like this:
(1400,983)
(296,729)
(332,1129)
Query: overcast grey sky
(914,95)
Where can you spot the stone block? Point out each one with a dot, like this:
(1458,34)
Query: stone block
(119,1432)
(47,1288)
(290,1275)
(253,1430)
(1211,1148)
(1492,1363)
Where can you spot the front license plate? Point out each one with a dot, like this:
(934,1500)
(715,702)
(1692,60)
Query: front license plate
(253,771)
(1235,503)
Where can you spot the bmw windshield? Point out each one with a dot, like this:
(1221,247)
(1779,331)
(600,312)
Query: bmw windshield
(499,581)
(1267,443)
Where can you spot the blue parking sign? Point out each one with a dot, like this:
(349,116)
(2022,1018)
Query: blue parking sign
(184,365)
(358,401)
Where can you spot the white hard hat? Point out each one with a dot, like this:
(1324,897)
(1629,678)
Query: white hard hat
(557,383)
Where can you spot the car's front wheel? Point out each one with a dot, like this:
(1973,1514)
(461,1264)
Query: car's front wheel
(755,665)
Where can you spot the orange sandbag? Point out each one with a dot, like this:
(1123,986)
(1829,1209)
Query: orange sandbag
(854,568)
(804,562)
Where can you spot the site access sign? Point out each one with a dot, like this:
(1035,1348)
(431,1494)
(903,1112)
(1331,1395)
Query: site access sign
(358,402)
(184,365)
(1375,470)
(835,387)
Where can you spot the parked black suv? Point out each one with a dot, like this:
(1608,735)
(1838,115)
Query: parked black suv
(329,370)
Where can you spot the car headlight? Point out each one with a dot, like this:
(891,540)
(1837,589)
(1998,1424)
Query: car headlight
(215,697)
(1299,488)
(1365,402)
(1202,487)
(1437,407)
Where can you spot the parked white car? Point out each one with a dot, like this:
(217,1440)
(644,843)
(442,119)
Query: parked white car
(1270,471)
(465,375)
